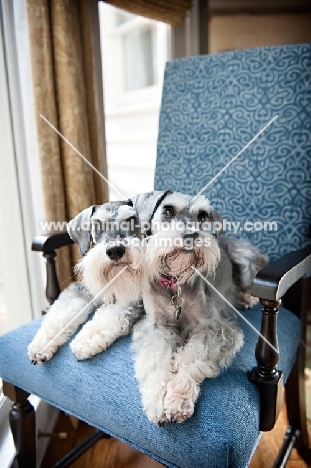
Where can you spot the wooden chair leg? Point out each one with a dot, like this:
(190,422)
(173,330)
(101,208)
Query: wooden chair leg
(23,425)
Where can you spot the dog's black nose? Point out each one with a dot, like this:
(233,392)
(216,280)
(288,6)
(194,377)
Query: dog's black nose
(190,235)
(116,252)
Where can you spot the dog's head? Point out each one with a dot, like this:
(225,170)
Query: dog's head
(183,239)
(108,239)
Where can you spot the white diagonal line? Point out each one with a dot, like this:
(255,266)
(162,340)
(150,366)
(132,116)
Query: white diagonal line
(236,156)
(83,157)
(82,310)
(236,310)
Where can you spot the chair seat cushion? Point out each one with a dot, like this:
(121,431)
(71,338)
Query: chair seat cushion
(104,393)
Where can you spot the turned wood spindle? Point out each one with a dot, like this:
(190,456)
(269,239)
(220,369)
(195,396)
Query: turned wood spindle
(23,425)
(52,284)
(265,376)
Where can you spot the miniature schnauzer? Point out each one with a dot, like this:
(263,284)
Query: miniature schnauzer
(187,334)
(108,239)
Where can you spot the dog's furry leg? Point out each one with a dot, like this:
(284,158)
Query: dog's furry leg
(209,348)
(67,307)
(246,261)
(109,323)
(154,346)
(246,300)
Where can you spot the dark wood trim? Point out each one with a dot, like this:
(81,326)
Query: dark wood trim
(203,22)
(259,7)
(47,243)
(52,290)
(288,444)
(23,425)
(79,450)
(265,376)
(259,11)
(272,281)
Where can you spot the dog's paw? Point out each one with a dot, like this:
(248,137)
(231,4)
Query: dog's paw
(85,350)
(252,302)
(247,300)
(87,345)
(161,420)
(39,352)
(180,398)
(178,408)
(156,414)
(153,392)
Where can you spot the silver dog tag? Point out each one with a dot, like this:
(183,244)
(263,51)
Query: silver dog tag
(177,301)
(177,312)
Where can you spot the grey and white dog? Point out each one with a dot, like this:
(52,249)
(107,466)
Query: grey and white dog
(187,334)
(110,272)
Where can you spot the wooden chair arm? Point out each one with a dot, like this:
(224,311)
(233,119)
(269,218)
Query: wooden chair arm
(272,282)
(47,244)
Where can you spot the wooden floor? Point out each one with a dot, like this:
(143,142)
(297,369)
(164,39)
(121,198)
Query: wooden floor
(110,453)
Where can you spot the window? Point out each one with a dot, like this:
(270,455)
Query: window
(140,73)
(134,53)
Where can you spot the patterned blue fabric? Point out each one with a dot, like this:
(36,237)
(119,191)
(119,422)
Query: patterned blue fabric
(104,392)
(212,106)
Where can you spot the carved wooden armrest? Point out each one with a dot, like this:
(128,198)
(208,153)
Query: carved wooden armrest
(270,285)
(47,244)
(273,281)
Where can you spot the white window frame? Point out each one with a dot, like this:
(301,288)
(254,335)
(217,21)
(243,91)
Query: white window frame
(12,238)
(20,171)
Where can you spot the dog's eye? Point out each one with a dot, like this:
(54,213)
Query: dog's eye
(202,216)
(168,211)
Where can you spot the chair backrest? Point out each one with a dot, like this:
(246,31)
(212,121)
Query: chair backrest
(212,107)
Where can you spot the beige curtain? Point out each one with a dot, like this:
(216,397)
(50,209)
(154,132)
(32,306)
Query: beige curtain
(68,92)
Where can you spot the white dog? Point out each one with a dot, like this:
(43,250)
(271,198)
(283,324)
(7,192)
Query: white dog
(110,272)
(187,334)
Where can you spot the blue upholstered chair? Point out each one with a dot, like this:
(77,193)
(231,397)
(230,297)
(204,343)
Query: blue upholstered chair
(212,108)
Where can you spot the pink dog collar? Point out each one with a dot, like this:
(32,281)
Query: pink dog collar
(168,282)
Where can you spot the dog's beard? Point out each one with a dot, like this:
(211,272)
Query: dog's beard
(96,271)
(176,260)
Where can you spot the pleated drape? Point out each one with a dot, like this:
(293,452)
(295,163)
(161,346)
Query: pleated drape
(68,93)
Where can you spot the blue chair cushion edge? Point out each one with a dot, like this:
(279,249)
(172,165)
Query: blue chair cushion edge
(174,445)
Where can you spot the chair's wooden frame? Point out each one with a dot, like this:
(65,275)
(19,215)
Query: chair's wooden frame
(280,279)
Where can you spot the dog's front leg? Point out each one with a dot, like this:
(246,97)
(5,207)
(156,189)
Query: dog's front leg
(209,348)
(154,346)
(64,317)
(109,323)
(191,368)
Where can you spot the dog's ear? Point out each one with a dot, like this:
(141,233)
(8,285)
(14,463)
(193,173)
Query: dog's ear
(217,223)
(79,229)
